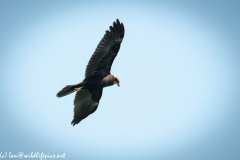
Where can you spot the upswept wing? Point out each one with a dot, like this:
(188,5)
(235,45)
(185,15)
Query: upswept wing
(106,51)
(85,102)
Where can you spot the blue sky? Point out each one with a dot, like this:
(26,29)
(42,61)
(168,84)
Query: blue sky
(179,71)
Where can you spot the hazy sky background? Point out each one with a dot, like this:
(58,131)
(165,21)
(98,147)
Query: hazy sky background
(179,71)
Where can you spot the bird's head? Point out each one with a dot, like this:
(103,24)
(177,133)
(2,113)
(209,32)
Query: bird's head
(110,80)
(116,80)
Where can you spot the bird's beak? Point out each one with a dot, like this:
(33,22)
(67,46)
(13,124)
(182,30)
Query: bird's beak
(115,82)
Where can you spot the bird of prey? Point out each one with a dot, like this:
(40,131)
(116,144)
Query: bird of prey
(97,74)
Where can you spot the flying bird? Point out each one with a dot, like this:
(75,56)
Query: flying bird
(97,74)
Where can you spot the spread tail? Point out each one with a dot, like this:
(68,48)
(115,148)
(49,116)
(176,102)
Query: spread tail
(69,89)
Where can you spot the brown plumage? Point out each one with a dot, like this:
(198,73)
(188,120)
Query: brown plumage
(97,74)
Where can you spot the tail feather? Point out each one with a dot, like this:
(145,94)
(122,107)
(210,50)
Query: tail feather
(69,89)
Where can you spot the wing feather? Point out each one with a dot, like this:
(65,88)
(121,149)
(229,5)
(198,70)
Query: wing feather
(85,102)
(101,61)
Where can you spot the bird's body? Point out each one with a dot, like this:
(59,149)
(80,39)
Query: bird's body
(97,75)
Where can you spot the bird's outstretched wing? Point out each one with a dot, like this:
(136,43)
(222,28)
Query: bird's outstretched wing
(85,102)
(106,51)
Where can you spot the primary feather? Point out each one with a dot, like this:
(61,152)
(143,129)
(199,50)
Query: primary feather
(101,61)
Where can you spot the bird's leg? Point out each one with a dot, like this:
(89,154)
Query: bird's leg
(77,89)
